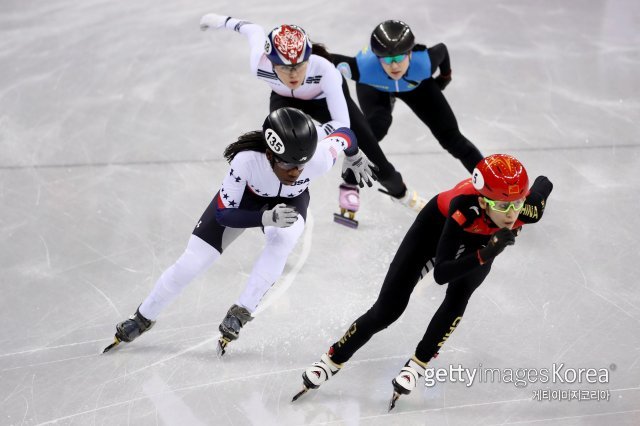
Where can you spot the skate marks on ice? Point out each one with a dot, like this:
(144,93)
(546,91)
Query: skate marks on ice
(325,398)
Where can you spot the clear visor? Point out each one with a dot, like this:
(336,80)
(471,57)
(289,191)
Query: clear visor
(290,68)
(288,166)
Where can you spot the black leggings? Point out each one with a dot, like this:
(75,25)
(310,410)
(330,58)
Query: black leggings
(412,261)
(430,105)
(317,109)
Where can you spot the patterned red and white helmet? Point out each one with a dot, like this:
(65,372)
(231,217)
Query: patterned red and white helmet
(501,177)
(287,45)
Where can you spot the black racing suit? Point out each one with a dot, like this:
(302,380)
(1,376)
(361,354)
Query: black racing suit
(445,237)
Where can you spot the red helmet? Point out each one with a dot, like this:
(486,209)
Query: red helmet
(501,177)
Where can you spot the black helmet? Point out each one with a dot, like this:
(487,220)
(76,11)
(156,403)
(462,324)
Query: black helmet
(290,135)
(392,38)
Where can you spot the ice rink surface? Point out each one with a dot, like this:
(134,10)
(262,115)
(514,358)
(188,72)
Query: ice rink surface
(113,119)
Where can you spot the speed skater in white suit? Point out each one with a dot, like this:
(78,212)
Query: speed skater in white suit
(266,186)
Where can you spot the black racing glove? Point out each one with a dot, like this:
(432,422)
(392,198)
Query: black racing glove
(498,242)
(516,231)
(543,186)
(443,80)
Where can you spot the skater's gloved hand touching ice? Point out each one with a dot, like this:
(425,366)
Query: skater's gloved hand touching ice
(212,20)
(498,242)
(281,216)
(363,169)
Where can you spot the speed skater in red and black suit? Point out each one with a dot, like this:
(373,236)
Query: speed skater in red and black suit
(457,235)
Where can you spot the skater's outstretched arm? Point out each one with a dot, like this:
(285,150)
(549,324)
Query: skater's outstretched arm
(347,66)
(253,32)
(320,77)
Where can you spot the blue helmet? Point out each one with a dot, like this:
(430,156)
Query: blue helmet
(287,45)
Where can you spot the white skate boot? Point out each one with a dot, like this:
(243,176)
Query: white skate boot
(318,373)
(349,200)
(407,379)
(395,188)
(412,200)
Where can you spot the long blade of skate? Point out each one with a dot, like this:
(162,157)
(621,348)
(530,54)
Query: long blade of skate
(299,394)
(115,343)
(222,346)
(343,220)
(394,398)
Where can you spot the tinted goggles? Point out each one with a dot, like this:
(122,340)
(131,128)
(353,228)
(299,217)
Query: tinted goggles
(391,59)
(504,206)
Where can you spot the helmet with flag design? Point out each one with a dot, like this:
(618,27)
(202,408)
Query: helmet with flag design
(287,45)
(501,177)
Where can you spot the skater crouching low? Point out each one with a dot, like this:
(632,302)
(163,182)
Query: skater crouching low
(266,186)
(457,235)
(392,66)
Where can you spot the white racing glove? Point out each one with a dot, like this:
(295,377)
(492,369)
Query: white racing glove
(363,169)
(212,20)
(281,216)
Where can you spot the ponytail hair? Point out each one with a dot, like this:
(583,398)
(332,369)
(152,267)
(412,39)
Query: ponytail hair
(250,141)
(320,50)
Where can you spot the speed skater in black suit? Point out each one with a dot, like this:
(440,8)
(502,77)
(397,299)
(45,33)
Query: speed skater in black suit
(458,235)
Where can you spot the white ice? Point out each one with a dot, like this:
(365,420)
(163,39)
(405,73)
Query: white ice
(113,119)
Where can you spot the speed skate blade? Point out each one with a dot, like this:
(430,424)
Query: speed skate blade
(299,394)
(394,398)
(342,220)
(222,346)
(115,343)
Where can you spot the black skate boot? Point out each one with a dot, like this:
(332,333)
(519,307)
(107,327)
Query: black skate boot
(229,328)
(393,185)
(318,373)
(407,379)
(129,329)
